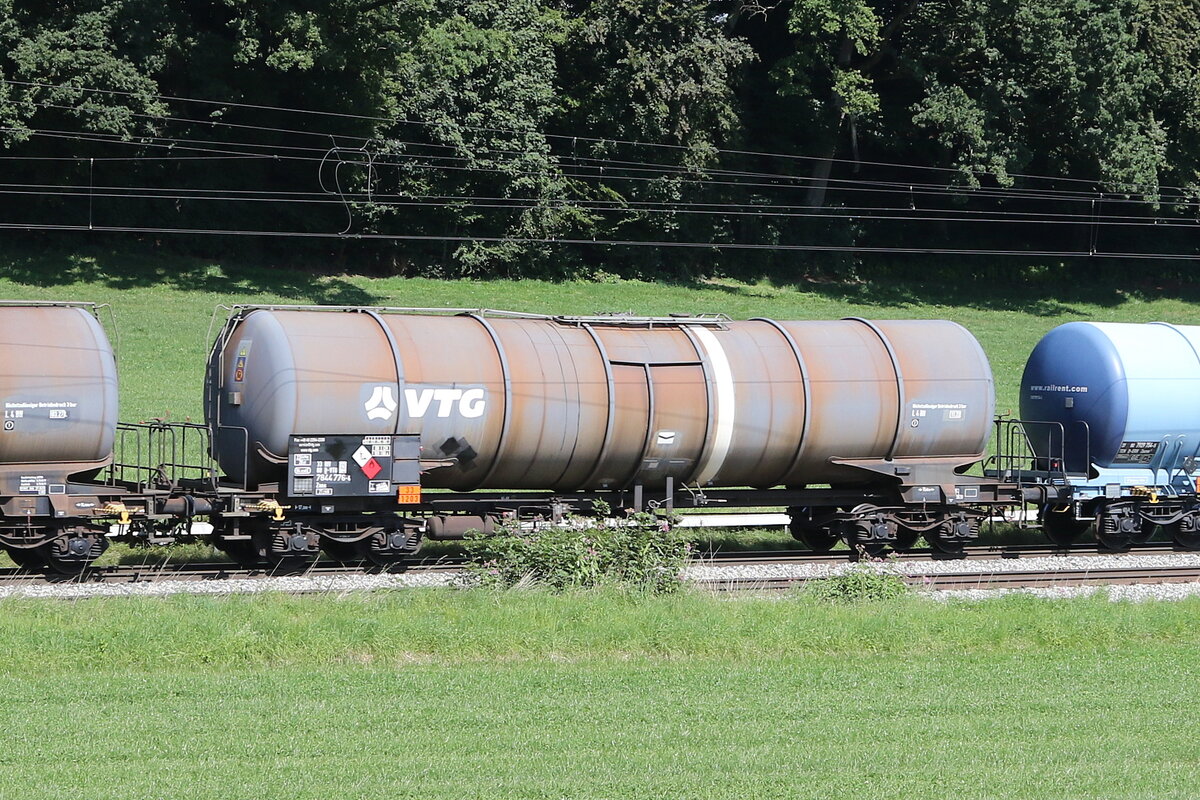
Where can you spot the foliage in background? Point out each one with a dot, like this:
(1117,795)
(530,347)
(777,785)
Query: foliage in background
(643,555)
(1050,88)
(489,131)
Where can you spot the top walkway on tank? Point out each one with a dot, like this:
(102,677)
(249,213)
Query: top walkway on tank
(53,304)
(714,320)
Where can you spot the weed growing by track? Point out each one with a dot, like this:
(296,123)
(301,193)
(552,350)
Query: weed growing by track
(643,555)
(857,585)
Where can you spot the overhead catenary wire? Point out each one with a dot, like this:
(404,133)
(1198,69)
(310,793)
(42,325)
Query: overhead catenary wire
(589,168)
(608,164)
(796,182)
(556,136)
(130,159)
(716,246)
(363,141)
(731,209)
(605,166)
(873,214)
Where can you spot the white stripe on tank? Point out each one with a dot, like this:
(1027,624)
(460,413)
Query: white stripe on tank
(724,407)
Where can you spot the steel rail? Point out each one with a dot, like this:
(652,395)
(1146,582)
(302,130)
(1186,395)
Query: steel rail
(973,553)
(1032,579)
(217,571)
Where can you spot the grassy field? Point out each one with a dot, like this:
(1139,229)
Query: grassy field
(436,694)
(429,694)
(164,310)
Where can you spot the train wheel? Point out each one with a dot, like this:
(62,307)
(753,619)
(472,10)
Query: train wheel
(1114,541)
(27,558)
(1145,532)
(242,551)
(289,550)
(819,540)
(906,538)
(1061,527)
(379,547)
(951,535)
(282,549)
(860,536)
(344,552)
(871,549)
(941,542)
(1185,533)
(245,554)
(389,549)
(871,532)
(1117,531)
(74,552)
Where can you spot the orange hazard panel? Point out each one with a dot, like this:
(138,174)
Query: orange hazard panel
(408,495)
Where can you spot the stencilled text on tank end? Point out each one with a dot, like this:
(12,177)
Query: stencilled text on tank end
(948,411)
(47,409)
(1059,387)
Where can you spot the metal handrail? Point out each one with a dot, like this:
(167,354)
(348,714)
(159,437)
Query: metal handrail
(1015,448)
(164,455)
(583,319)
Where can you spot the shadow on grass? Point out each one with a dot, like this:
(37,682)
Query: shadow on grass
(1048,290)
(1042,291)
(138,267)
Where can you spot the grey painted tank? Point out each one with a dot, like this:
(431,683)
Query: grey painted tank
(519,401)
(58,386)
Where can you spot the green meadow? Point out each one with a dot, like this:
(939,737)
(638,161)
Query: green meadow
(473,694)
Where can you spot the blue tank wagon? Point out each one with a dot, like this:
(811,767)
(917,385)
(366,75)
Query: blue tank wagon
(1113,410)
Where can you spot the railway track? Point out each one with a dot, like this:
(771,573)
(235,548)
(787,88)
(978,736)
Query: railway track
(977,575)
(977,553)
(1139,565)
(228,570)
(1025,579)
(199,571)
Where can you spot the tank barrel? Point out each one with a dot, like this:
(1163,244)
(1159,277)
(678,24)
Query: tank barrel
(594,403)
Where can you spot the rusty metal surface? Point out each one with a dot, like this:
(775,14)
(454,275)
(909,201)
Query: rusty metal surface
(768,405)
(559,414)
(588,403)
(944,391)
(853,398)
(440,356)
(288,372)
(59,390)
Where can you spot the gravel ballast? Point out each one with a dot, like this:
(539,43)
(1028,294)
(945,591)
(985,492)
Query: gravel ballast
(943,567)
(327,584)
(338,584)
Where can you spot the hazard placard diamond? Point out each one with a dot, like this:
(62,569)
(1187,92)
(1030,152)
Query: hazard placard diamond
(371,468)
(361,455)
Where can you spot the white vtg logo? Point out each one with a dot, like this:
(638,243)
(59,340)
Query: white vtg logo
(471,403)
(381,404)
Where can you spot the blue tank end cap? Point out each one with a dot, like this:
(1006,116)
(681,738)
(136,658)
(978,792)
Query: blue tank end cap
(1075,377)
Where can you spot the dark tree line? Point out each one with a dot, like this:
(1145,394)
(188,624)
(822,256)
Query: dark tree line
(475,138)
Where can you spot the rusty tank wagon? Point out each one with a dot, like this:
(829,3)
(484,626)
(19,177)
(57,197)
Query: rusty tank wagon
(862,429)
(59,389)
